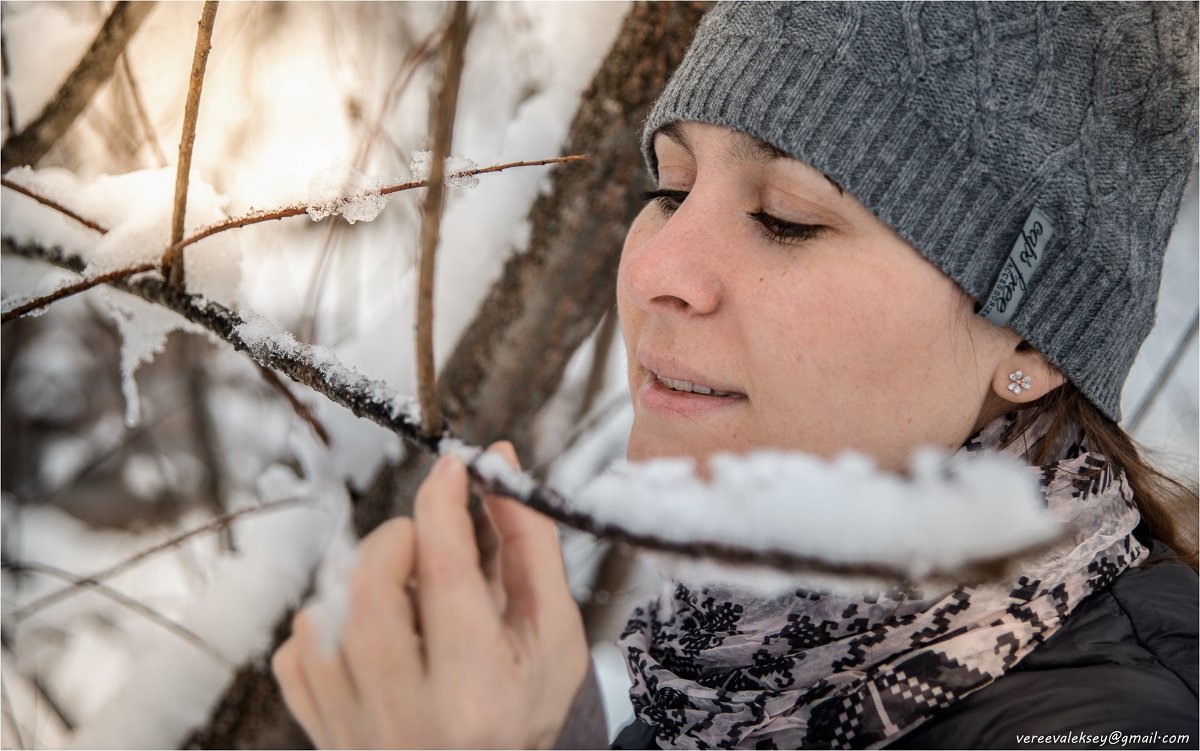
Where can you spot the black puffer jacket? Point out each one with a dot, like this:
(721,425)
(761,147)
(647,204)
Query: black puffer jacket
(1124,664)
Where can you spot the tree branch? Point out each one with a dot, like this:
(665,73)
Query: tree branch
(172,263)
(74,288)
(548,300)
(139,106)
(213,229)
(96,67)
(221,521)
(51,203)
(126,601)
(442,114)
(375,400)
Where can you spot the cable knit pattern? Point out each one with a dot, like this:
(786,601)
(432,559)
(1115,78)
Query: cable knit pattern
(953,121)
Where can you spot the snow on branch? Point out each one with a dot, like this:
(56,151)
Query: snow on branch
(315,211)
(951,520)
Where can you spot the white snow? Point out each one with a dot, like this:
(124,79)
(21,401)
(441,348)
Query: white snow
(340,189)
(40,61)
(173,682)
(452,169)
(947,514)
(144,328)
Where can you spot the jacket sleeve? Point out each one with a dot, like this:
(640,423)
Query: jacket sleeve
(585,727)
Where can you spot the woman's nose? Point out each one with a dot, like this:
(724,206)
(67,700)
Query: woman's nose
(674,268)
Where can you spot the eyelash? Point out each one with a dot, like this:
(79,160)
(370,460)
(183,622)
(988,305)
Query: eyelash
(773,229)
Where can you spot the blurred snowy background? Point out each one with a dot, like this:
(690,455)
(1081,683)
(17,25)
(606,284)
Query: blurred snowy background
(295,94)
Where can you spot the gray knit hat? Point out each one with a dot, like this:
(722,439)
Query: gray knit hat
(1036,153)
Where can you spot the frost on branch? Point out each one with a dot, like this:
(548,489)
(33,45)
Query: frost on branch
(136,209)
(454,168)
(946,516)
(342,190)
(266,341)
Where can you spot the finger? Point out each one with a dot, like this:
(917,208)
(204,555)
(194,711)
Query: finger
(456,614)
(380,639)
(531,559)
(329,682)
(285,664)
(488,542)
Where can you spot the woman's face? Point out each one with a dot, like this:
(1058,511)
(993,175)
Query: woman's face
(812,324)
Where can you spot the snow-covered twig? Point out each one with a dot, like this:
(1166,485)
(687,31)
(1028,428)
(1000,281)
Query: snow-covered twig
(218,523)
(67,290)
(50,202)
(94,68)
(375,400)
(172,263)
(442,113)
(256,217)
(127,602)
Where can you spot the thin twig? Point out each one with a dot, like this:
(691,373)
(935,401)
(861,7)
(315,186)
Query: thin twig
(213,229)
(1164,375)
(94,68)
(303,411)
(128,602)
(205,433)
(140,107)
(442,115)
(73,288)
(221,521)
(172,264)
(399,82)
(50,202)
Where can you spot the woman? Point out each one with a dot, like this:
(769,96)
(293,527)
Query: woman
(876,227)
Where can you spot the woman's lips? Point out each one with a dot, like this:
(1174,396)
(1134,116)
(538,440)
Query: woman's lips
(658,398)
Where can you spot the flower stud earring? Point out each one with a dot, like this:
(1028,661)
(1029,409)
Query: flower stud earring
(1020,382)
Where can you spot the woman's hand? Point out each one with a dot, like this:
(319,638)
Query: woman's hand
(435,652)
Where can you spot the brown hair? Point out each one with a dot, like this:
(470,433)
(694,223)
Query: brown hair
(1168,506)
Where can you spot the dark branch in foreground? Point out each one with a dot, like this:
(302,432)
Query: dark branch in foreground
(376,401)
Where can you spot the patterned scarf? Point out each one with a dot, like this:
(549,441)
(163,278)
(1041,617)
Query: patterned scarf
(715,667)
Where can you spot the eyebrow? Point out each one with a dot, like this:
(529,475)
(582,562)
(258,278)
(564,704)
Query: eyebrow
(740,148)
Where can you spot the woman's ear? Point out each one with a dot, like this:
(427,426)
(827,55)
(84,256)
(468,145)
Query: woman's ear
(1024,376)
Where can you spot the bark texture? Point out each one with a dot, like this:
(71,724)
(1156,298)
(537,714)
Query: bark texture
(512,357)
(96,67)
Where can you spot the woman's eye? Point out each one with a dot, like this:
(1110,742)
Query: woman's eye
(776,230)
(668,200)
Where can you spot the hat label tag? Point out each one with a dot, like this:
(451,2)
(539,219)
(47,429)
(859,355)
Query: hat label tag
(1026,255)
